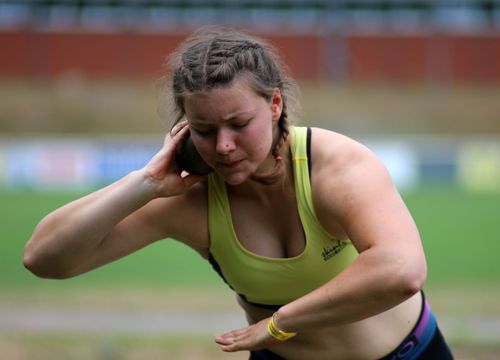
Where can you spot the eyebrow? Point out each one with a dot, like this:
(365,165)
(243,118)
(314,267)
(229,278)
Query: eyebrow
(236,114)
(233,115)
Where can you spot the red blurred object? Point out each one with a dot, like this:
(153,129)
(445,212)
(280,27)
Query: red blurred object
(412,57)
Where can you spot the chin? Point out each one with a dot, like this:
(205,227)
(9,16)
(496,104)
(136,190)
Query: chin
(236,178)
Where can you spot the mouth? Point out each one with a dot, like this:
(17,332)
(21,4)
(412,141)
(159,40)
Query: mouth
(229,164)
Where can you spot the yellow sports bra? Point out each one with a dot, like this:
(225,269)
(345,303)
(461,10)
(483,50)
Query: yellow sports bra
(276,281)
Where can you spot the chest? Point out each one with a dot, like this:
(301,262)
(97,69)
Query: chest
(268,227)
(266,251)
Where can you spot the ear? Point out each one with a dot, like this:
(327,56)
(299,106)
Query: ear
(276,105)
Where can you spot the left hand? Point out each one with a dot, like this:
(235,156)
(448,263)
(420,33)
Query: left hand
(253,337)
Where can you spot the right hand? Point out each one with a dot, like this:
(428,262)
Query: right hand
(162,170)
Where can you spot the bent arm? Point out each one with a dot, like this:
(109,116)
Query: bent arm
(66,241)
(351,186)
(117,220)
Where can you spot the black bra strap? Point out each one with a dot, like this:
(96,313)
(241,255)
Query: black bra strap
(308,150)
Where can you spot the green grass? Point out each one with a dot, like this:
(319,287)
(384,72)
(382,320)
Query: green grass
(460,232)
(165,262)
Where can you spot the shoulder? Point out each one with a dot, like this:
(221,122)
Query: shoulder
(346,174)
(352,190)
(336,154)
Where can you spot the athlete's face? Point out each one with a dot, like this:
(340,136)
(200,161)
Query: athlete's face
(232,128)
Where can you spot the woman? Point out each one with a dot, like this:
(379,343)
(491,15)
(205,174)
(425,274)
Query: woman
(304,224)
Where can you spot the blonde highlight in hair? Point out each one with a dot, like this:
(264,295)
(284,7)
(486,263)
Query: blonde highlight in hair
(214,57)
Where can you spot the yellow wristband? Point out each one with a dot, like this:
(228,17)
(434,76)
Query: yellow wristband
(277,333)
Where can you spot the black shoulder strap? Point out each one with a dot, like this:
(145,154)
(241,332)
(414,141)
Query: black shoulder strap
(308,149)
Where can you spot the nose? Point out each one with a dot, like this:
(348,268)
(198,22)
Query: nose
(225,142)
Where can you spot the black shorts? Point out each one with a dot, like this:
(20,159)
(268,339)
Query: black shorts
(264,355)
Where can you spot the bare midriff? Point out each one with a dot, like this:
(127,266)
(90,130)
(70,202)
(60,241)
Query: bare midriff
(370,338)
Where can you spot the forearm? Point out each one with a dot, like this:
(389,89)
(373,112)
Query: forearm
(71,233)
(374,283)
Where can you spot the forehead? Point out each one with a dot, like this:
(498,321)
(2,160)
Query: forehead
(239,96)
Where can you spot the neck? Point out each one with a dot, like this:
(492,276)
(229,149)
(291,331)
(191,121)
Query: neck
(267,180)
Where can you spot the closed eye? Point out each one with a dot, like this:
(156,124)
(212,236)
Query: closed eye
(203,132)
(240,124)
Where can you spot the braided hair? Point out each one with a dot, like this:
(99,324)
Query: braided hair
(214,57)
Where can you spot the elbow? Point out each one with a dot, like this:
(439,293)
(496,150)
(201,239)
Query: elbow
(41,266)
(32,264)
(412,277)
(412,285)
(42,271)
(44,257)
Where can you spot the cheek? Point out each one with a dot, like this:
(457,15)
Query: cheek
(263,138)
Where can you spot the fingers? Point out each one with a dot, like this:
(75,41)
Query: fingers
(249,338)
(227,338)
(179,126)
(176,134)
(179,129)
(232,343)
(190,180)
(231,340)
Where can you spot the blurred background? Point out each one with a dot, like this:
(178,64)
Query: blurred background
(418,81)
